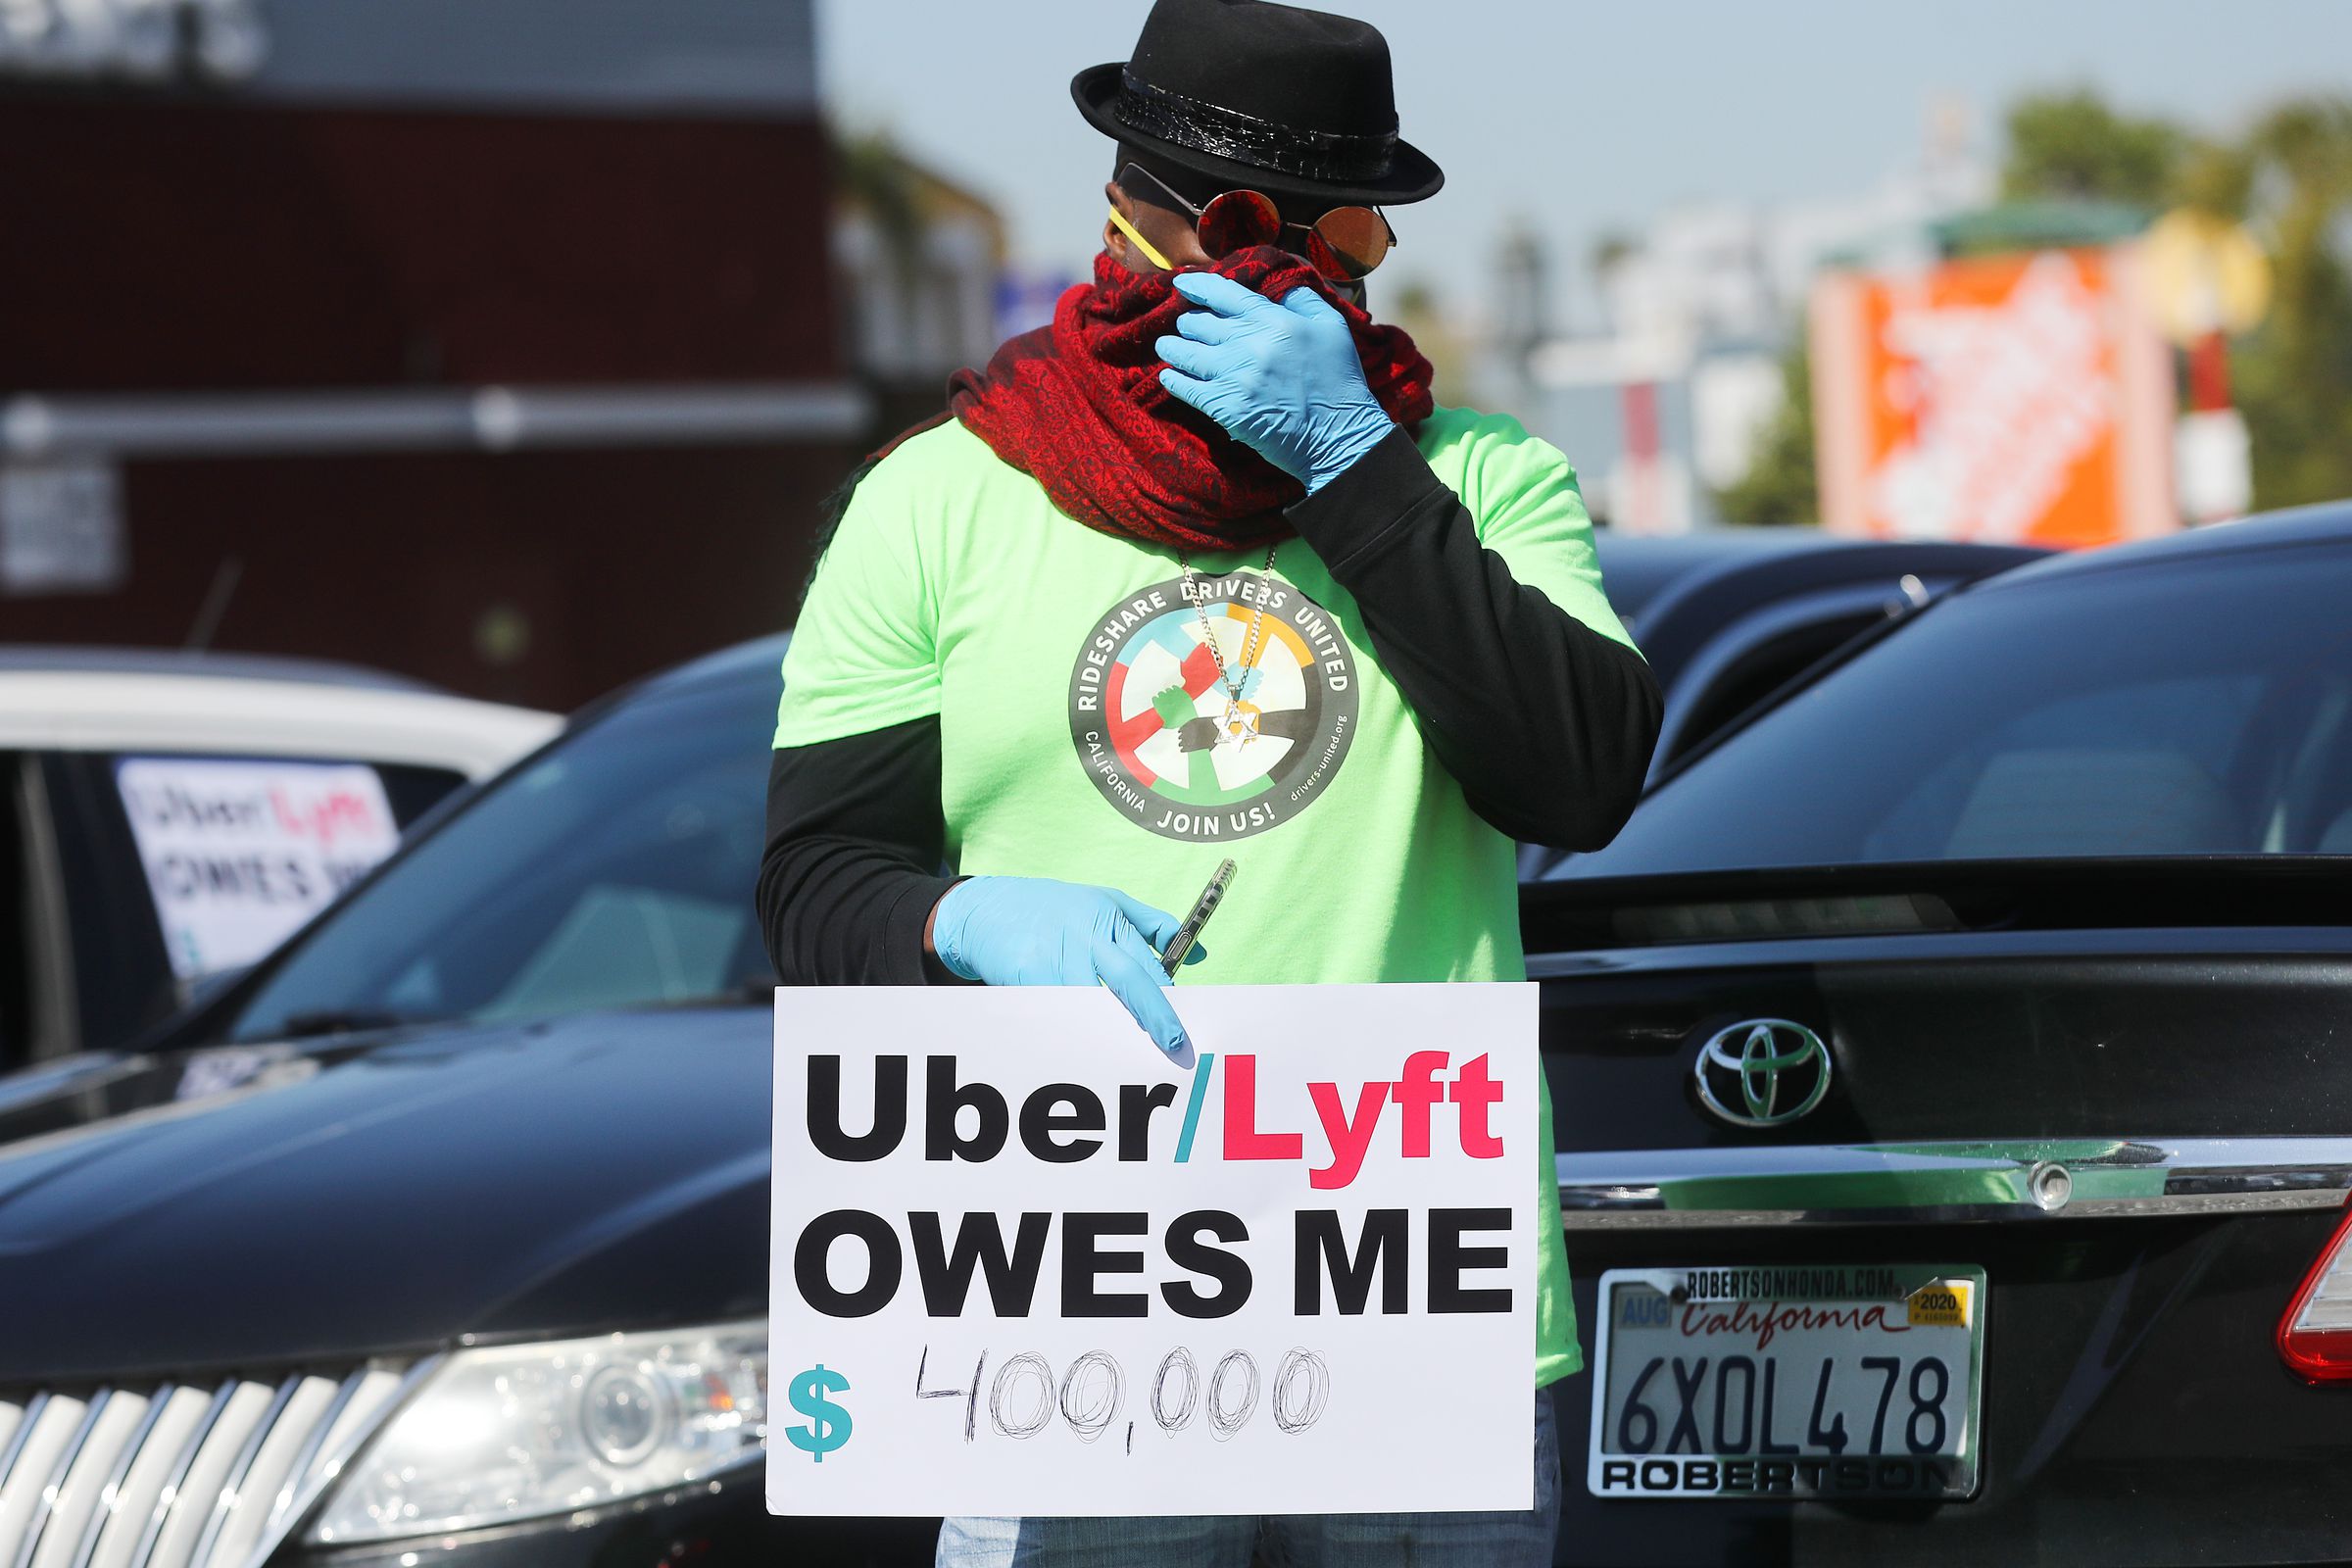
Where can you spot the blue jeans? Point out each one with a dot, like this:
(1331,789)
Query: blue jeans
(1290,1541)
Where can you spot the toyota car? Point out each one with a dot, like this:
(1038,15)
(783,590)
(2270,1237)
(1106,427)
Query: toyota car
(1953,1094)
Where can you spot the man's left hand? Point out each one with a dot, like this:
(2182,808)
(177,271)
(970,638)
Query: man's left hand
(1283,379)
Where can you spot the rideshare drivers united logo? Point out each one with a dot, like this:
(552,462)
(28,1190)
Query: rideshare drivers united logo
(1169,743)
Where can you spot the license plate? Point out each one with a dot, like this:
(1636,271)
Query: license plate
(1836,1382)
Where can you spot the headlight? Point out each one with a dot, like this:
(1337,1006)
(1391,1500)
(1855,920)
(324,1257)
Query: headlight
(519,1430)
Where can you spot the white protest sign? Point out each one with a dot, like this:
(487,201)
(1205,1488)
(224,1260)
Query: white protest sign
(1022,1264)
(240,854)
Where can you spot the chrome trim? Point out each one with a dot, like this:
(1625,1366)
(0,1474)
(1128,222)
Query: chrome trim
(37,1522)
(104,1511)
(312,1445)
(196,1475)
(320,1482)
(1950,1180)
(1760,1055)
(232,1480)
(16,1439)
(144,1552)
(1773,953)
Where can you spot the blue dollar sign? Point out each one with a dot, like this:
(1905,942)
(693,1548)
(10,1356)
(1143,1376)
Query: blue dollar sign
(829,1424)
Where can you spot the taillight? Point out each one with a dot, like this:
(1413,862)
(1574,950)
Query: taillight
(2315,1337)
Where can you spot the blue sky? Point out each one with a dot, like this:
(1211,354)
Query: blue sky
(1580,119)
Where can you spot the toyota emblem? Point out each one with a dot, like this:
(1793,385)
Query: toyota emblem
(1763,1072)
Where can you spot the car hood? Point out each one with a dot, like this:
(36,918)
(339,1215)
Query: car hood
(275,1204)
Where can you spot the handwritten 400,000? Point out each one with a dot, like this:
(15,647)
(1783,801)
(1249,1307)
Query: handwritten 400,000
(1091,1395)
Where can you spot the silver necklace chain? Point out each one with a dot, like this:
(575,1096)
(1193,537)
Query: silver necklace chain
(1249,638)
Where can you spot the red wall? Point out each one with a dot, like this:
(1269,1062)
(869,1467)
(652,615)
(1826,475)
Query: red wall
(621,562)
(160,245)
(183,246)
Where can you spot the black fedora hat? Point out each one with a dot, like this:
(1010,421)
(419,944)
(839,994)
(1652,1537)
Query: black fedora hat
(1263,96)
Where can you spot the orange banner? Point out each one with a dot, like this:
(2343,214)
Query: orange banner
(2018,398)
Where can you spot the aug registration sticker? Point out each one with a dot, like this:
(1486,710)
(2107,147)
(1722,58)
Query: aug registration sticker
(1832,1381)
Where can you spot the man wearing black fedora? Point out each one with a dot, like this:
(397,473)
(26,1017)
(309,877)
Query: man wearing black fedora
(1201,570)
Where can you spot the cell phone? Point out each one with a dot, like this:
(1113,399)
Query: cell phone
(1203,908)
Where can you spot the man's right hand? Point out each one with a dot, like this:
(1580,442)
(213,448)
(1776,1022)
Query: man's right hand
(1029,931)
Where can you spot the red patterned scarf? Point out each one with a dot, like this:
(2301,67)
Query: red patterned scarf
(1078,406)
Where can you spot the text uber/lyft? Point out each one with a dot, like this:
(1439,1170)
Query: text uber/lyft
(1056,1122)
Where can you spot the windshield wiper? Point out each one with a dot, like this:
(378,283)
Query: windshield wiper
(346,1021)
(740,994)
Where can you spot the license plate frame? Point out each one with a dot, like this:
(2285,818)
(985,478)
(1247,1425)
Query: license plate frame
(1913,1295)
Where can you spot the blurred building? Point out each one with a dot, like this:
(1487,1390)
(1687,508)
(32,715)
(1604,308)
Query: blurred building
(1662,405)
(494,341)
(921,269)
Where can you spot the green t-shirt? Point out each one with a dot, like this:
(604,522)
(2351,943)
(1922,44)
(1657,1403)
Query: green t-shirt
(1086,733)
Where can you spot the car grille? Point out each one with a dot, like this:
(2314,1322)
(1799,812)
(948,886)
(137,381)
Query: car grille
(174,1474)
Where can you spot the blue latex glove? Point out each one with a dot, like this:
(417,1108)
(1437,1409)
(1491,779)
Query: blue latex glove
(1028,931)
(1283,379)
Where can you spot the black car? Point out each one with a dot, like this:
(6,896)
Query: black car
(1728,615)
(1997,976)
(439,1236)
(442,1231)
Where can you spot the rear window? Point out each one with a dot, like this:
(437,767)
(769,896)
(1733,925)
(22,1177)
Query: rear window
(2192,709)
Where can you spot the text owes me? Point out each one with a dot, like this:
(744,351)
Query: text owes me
(1213,1280)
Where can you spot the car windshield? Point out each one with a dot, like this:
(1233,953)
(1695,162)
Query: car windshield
(2166,707)
(613,870)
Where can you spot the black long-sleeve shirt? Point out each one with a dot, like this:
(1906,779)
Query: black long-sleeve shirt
(1546,723)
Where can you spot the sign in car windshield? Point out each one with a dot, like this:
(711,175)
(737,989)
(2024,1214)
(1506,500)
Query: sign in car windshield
(239,854)
(1024,1265)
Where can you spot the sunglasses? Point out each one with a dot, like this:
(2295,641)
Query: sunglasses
(1343,244)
